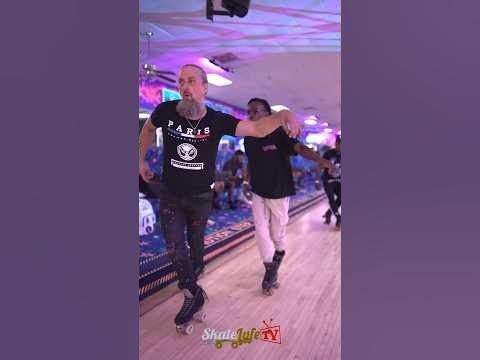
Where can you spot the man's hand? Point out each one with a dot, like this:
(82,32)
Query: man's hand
(246,186)
(291,125)
(145,171)
(325,164)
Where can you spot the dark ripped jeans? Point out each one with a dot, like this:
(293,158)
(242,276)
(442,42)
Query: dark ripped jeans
(178,213)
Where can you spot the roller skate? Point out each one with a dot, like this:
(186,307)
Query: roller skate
(270,279)
(328,217)
(277,258)
(337,224)
(192,309)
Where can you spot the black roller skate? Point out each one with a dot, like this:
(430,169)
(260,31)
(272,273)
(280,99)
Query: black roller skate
(277,260)
(337,224)
(270,279)
(278,257)
(328,217)
(191,309)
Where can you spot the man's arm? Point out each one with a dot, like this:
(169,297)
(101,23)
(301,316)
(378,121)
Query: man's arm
(269,124)
(246,178)
(309,154)
(146,137)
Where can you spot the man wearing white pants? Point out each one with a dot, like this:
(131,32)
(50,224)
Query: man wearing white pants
(272,185)
(271,218)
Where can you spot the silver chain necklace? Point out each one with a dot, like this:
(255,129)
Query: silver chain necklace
(198,123)
(194,127)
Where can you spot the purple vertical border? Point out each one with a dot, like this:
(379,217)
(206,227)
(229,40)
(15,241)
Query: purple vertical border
(410,236)
(69,231)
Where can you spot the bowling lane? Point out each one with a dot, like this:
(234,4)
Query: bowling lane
(306,307)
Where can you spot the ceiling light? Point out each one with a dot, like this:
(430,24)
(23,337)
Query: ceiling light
(218,80)
(279,107)
(316,138)
(208,63)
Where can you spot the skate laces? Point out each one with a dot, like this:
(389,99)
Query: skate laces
(204,294)
(187,303)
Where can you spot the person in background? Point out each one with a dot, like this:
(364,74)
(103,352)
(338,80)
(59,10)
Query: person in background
(271,181)
(331,179)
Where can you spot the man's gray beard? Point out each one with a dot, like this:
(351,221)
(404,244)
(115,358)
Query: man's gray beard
(190,109)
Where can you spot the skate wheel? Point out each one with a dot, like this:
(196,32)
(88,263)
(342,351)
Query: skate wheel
(185,329)
(201,316)
(189,329)
(268,292)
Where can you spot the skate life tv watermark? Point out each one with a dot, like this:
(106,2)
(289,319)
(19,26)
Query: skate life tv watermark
(241,336)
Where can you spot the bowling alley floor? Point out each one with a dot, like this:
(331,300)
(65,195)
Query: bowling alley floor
(305,310)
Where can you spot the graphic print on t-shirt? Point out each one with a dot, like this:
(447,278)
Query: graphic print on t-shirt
(271,147)
(187,151)
(190,133)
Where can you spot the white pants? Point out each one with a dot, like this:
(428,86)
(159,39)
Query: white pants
(270,217)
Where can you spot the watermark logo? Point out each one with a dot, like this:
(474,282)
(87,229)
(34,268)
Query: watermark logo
(270,333)
(241,336)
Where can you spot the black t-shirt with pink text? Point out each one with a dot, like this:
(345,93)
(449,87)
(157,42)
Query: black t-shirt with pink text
(269,164)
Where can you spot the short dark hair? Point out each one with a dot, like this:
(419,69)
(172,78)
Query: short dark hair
(263,102)
(238,152)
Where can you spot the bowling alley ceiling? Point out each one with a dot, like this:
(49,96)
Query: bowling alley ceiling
(285,51)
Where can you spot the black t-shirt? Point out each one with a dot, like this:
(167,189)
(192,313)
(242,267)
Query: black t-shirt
(190,147)
(335,158)
(269,164)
